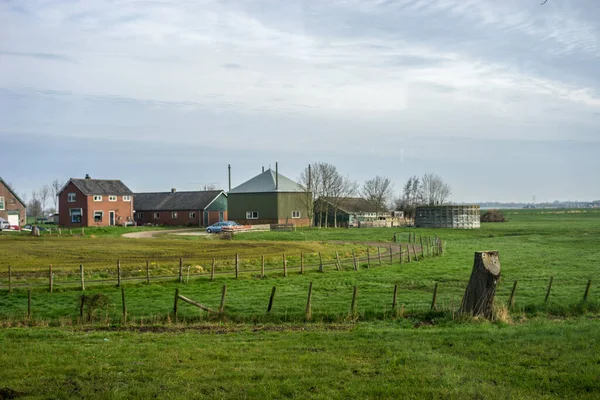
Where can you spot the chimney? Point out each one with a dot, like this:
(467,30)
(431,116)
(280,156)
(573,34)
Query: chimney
(263,168)
(87,176)
(173,190)
(276,176)
(229,175)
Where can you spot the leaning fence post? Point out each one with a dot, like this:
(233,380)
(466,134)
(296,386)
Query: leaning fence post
(50,277)
(379,254)
(320,263)
(511,300)
(368,258)
(118,272)
(147,272)
(237,265)
(301,263)
(587,290)
(175,303)
(262,266)
(212,270)
(354,259)
(271,299)
(392,255)
(422,248)
(338,264)
(549,288)
(428,246)
(125,306)
(400,251)
(9,280)
(222,306)
(284,266)
(82,278)
(435,288)
(180,270)
(308,305)
(354,295)
(395,297)
(28,303)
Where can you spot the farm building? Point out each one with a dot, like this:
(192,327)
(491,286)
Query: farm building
(12,208)
(195,208)
(353,212)
(94,202)
(269,198)
(451,216)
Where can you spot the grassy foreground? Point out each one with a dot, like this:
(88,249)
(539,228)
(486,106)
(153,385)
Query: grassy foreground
(536,359)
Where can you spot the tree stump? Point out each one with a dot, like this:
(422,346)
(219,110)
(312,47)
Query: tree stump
(480,292)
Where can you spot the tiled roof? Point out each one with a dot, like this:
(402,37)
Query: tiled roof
(168,201)
(101,187)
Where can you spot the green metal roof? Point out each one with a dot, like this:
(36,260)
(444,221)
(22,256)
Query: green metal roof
(266,183)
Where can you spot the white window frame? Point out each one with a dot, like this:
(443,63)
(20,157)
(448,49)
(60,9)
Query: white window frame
(71,197)
(192,215)
(251,215)
(80,215)
(174,215)
(156,215)
(97,197)
(126,198)
(140,215)
(112,198)
(101,216)
(296,214)
(2,205)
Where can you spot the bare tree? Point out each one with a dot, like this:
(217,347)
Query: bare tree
(341,190)
(34,207)
(410,197)
(307,182)
(209,187)
(54,189)
(378,192)
(44,193)
(434,190)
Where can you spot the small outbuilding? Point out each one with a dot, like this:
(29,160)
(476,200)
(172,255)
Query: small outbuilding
(448,216)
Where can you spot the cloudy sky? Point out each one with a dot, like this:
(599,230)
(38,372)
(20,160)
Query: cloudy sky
(501,98)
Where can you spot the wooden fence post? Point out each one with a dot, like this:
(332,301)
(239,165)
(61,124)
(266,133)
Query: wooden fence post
(415,252)
(549,288)
(368,258)
(354,295)
(82,277)
(81,305)
(511,300)
(50,277)
(379,254)
(422,248)
(175,304)
(118,272)
(262,267)
(212,270)
(237,265)
(125,306)
(180,270)
(222,306)
(9,280)
(271,299)
(392,255)
(147,272)
(408,252)
(428,248)
(320,263)
(587,290)
(354,259)
(435,288)
(400,250)
(308,305)
(284,266)
(29,304)
(395,297)
(301,263)
(338,264)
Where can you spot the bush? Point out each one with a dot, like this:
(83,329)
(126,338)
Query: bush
(493,216)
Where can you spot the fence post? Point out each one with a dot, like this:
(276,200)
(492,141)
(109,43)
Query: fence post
(379,254)
(175,303)
(549,288)
(400,250)
(435,288)
(320,263)
(428,248)
(408,252)
(368,258)
(125,306)
(118,272)
(587,290)
(180,270)
(395,297)
(354,295)
(262,266)
(9,280)
(222,306)
(354,259)
(271,299)
(284,266)
(50,277)
(422,248)
(81,304)
(308,305)
(511,300)
(29,304)
(392,255)
(338,263)
(147,272)
(301,263)
(237,265)
(82,277)
(212,270)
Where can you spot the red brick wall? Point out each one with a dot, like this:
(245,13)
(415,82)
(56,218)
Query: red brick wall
(64,217)
(11,203)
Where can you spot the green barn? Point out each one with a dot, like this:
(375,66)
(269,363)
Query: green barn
(269,198)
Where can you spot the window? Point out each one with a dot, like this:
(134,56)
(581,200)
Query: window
(126,198)
(97,197)
(75,214)
(295,214)
(251,214)
(192,215)
(1,203)
(140,215)
(71,197)
(98,216)
(156,215)
(111,198)
(174,215)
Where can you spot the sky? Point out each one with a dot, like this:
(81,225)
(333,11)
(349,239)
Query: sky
(500,98)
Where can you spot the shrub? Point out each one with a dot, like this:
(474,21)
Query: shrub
(493,216)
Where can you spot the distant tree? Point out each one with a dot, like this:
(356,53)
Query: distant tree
(307,182)
(493,216)
(44,193)
(434,191)
(378,191)
(54,189)
(342,188)
(210,187)
(410,197)
(34,206)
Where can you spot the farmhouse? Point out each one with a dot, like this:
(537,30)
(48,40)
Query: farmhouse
(94,202)
(353,212)
(12,208)
(199,208)
(269,198)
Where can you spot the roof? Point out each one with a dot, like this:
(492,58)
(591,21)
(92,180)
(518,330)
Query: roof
(12,191)
(265,183)
(100,187)
(168,201)
(354,205)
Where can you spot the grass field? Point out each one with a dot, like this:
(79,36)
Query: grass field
(539,350)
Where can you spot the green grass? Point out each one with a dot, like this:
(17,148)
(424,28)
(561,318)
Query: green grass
(532,360)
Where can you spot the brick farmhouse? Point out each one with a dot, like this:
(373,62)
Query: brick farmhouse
(12,208)
(94,202)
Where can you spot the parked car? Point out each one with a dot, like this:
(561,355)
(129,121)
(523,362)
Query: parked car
(4,225)
(218,227)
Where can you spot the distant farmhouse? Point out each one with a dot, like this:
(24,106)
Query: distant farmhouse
(269,198)
(353,212)
(199,208)
(95,202)
(12,208)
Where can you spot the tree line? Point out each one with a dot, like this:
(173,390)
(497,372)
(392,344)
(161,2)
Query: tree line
(42,201)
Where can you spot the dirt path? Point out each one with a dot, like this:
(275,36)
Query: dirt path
(152,234)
